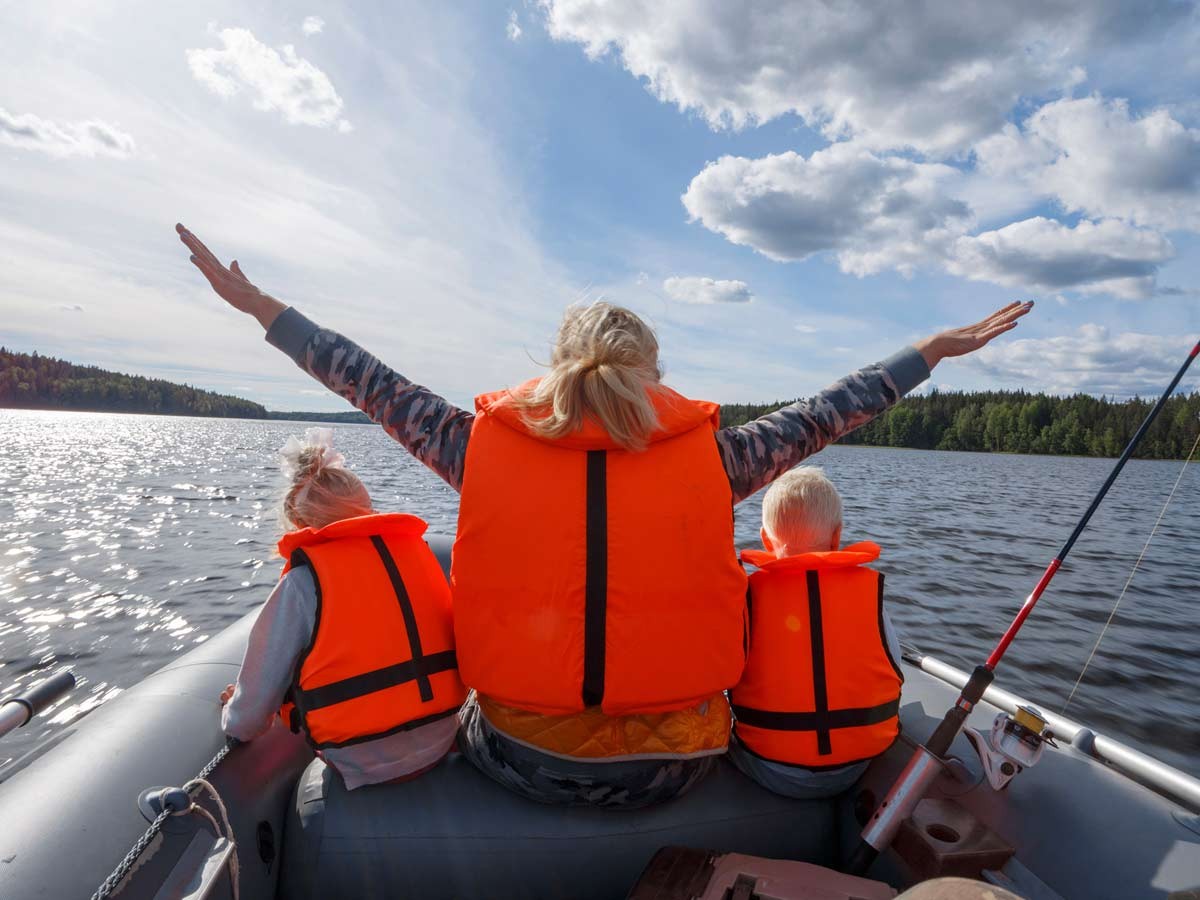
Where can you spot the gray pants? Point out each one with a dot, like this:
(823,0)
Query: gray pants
(546,778)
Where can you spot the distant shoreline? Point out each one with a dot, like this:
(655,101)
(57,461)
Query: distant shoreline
(337,418)
(358,418)
(1012,422)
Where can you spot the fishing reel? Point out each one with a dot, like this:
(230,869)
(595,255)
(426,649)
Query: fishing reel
(1015,742)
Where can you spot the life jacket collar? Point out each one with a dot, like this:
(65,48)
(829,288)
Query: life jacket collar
(676,415)
(854,555)
(383,524)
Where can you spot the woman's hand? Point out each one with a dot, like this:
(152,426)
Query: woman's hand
(231,284)
(226,694)
(960,341)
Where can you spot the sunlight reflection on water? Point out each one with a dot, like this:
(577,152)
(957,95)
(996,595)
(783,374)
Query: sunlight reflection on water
(125,540)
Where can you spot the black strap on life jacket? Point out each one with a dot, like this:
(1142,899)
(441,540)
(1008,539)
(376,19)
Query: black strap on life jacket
(419,668)
(830,720)
(595,589)
(816,633)
(821,719)
(374,681)
(410,618)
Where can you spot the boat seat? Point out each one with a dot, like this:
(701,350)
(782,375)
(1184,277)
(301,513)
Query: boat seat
(453,832)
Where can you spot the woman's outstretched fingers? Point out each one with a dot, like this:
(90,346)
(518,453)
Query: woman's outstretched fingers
(960,341)
(230,284)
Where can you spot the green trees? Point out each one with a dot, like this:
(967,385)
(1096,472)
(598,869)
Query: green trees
(30,381)
(1020,422)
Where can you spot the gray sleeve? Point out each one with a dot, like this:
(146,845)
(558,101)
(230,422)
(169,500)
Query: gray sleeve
(757,453)
(431,428)
(283,629)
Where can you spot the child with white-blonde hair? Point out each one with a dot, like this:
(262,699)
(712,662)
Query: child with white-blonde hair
(820,694)
(355,646)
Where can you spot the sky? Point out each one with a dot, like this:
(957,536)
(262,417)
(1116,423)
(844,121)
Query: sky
(786,190)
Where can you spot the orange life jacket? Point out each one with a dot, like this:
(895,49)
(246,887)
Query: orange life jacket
(381,659)
(821,689)
(588,575)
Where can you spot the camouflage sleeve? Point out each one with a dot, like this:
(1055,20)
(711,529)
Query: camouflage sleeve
(757,453)
(431,428)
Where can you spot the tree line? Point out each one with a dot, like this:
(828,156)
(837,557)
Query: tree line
(30,381)
(1019,422)
(987,421)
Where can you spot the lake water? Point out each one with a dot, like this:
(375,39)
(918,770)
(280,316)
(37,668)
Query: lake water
(125,540)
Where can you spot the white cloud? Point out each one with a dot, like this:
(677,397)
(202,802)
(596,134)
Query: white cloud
(1109,256)
(1095,157)
(1091,360)
(806,329)
(312,25)
(874,213)
(513,29)
(692,289)
(916,73)
(345,236)
(275,79)
(88,138)
(878,213)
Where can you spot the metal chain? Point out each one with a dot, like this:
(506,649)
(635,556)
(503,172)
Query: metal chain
(139,846)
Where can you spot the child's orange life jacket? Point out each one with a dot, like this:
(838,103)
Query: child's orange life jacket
(589,575)
(821,689)
(382,656)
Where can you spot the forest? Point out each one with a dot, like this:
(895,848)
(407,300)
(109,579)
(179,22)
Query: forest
(1020,422)
(30,381)
(986,421)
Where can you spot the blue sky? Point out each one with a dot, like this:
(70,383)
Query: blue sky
(439,180)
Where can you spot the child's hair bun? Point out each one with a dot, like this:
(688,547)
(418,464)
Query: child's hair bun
(322,489)
(306,459)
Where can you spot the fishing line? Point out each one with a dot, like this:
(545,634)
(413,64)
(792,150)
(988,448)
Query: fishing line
(1132,573)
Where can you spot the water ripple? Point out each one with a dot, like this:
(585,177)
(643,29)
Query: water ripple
(126,540)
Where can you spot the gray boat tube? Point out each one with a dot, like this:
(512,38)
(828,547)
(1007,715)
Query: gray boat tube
(70,814)
(1146,770)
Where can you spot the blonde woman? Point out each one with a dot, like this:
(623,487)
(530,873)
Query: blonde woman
(599,607)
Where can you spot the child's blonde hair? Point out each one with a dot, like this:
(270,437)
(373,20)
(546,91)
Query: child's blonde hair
(322,490)
(604,364)
(802,510)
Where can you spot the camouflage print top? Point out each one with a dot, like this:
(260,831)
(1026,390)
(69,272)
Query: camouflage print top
(436,431)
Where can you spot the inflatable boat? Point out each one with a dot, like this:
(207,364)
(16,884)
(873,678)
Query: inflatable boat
(1092,818)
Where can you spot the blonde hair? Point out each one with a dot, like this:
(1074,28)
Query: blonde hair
(802,510)
(321,490)
(604,365)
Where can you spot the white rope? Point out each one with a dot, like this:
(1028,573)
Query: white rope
(234,865)
(1112,615)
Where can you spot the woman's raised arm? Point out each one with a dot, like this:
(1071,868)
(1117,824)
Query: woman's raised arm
(431,428)
(757,453)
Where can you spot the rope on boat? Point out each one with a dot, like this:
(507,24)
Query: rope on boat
(1112,615)
(125,866)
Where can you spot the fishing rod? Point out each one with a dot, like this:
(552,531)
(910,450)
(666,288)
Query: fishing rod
(928,759)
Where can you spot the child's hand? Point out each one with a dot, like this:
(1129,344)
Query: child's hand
(226,694)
